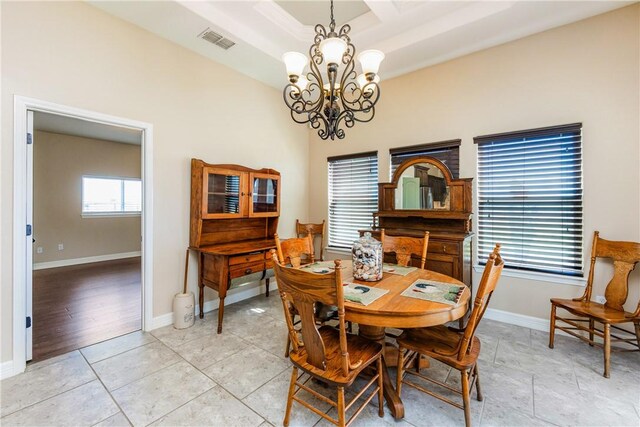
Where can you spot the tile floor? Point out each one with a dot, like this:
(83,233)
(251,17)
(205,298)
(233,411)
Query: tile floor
(240,378)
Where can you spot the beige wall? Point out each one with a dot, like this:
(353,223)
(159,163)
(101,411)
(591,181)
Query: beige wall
(74,54)
(584,72)
(59,163)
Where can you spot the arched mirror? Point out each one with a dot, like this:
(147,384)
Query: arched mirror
(422,183)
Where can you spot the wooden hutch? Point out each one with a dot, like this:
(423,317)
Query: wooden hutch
(424,196)
(234,216)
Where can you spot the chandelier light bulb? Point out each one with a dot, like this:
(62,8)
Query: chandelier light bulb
(370,61)
(295,63)
(333,49)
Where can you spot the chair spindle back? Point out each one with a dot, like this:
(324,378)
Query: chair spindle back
(315,230)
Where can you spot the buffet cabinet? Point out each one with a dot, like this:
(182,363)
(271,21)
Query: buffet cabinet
(423,196)
(234,217)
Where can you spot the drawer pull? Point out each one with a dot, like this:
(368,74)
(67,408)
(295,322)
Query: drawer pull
(247,271)
(444,249)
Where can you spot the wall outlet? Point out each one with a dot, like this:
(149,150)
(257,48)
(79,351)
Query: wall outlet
(39,250)
(60,246)
(600,299)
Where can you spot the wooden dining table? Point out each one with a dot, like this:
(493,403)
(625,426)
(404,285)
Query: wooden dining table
(394,310)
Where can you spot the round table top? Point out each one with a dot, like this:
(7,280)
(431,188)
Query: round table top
(397,311)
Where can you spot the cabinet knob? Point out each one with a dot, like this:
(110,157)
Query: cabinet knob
(247,271)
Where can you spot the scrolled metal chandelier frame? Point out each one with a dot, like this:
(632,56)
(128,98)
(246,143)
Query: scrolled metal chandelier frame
(331,101)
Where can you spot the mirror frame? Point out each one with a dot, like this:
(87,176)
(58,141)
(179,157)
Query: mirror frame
(423,159)
(444,169)
(460,190)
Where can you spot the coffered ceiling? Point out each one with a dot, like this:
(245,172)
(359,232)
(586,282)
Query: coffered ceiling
(412,33)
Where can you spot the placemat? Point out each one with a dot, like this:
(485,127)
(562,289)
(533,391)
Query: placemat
(430,290)
(398,269)
(362,294)
(319,267)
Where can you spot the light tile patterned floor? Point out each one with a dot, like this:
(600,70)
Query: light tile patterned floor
(240,378)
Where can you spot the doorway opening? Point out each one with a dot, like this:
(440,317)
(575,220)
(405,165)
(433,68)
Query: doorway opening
(83,271)
(87,209)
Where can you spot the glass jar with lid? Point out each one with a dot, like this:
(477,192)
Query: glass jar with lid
(367,259)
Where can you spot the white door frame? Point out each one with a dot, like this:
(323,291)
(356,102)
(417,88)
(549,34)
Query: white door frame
(21,205)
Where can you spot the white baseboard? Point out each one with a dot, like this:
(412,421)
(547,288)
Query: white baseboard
(517,319)
(85,260)
(7,370)
(234,296)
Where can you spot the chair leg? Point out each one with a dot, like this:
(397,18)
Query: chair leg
(478,389)
(400,367)
(637,326)
(591,326)
(381,387)
(552,326)
(607,349)
(292,387)
(341,410)
(465,397)
(266,282)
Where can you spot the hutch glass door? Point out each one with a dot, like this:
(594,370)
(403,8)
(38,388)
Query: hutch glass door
(265,193)
(222,197)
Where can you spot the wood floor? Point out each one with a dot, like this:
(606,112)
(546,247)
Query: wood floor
(84,304)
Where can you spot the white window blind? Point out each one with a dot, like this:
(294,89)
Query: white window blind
(530,198)
(448,152)
(353,196)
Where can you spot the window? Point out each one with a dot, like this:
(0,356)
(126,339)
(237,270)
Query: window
(448,152)
(353,196)
(111,196)
(530,198)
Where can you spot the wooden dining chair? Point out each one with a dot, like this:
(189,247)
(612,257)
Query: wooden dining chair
(316,230)
(404,247)
(327,354)
(458,348)
(625,256)
(296,251)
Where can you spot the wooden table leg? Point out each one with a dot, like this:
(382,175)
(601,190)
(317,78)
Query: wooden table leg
(376,333)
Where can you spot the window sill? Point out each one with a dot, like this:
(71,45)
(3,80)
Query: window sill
(540,277)
(111,215)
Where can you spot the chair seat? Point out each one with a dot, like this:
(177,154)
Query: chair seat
(594,310)
(359,349)
(436,340)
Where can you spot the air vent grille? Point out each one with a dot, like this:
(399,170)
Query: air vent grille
(217,39)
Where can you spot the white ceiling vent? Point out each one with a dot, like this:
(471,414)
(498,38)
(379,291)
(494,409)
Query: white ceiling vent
(217,39)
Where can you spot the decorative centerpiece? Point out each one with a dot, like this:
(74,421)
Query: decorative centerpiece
(367,259)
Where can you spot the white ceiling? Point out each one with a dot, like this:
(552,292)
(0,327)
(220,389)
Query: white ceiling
(72,126)
(412,33)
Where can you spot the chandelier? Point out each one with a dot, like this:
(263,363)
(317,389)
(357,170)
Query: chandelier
(328,99)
